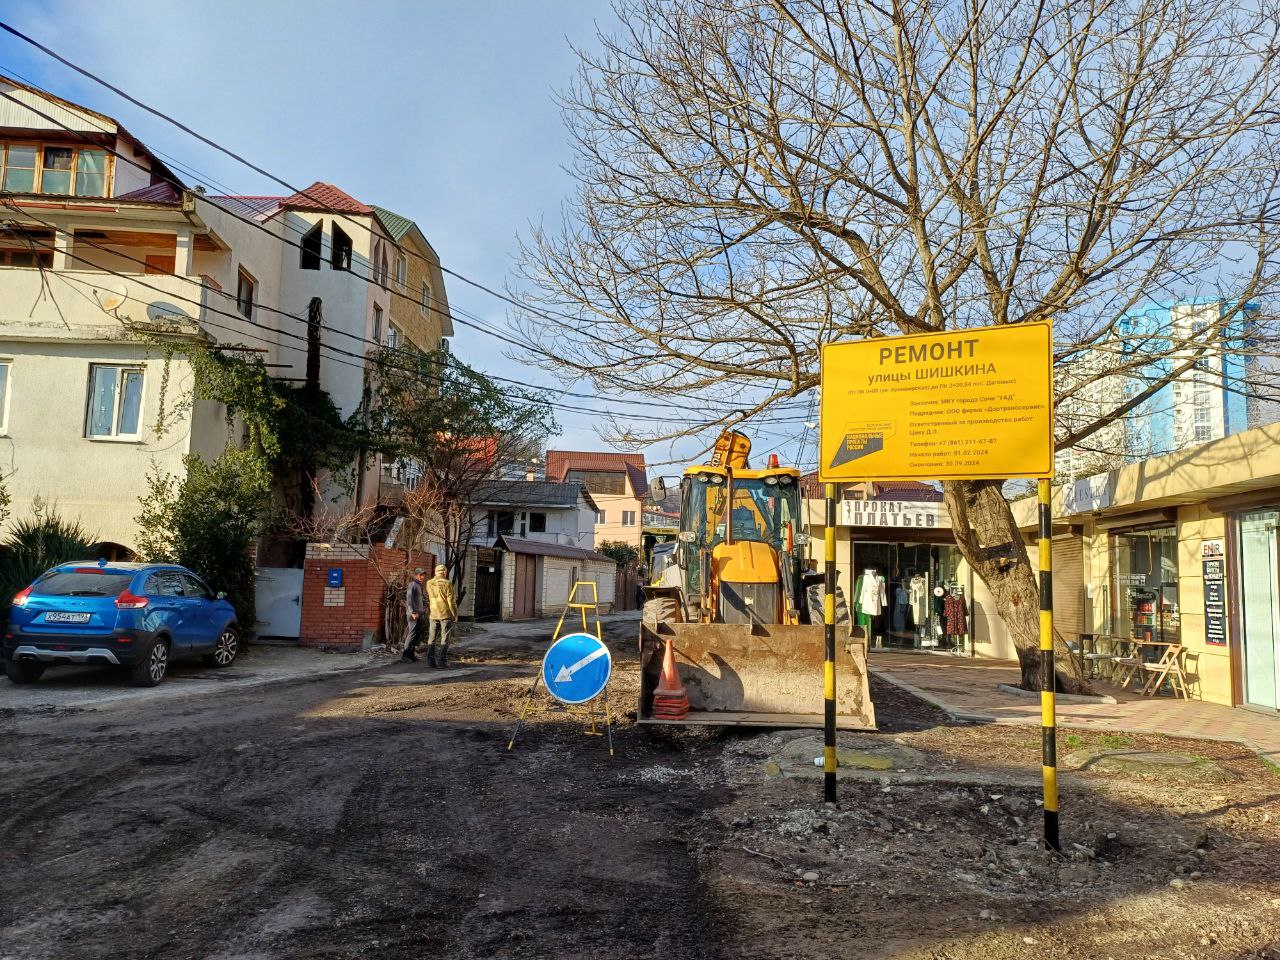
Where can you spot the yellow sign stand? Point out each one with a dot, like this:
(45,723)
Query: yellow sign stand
(961,405)
(588,713)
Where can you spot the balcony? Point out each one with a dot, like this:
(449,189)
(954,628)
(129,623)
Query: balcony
(93,305)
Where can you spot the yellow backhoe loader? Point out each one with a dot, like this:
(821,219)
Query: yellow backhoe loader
(742,613)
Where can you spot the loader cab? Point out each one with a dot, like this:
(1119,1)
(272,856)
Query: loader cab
(765,509)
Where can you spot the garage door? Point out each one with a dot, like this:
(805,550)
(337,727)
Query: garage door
(1068,586)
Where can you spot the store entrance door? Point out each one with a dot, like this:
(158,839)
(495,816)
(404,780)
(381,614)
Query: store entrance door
(1260,607)
(912,613)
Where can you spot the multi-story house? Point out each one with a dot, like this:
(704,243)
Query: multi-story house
(1217,396)
(617,483)
(102,246)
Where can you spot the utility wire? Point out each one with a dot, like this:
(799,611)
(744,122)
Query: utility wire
(551,316)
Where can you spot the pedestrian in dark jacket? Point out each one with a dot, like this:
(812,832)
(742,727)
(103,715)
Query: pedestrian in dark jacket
(414,608)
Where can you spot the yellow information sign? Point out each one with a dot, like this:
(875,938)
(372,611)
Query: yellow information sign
(962,405)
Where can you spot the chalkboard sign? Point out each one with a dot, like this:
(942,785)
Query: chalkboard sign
(1215,595)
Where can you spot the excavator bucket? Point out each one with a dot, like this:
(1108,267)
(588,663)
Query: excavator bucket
(765,675)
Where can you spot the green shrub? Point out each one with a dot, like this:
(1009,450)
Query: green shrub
(35,544)
(208,520)
(619,551)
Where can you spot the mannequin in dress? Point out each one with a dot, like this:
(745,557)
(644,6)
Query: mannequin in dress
(870,598)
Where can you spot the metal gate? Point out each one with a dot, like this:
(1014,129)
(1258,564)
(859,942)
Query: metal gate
(278,597)
(488,584)
(625,584)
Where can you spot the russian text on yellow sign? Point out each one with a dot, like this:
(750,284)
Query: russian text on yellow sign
(961,405)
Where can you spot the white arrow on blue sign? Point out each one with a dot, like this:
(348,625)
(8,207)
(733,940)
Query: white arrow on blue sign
(576,668)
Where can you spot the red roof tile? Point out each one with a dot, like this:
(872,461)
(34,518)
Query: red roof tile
(325,196)
(560,462)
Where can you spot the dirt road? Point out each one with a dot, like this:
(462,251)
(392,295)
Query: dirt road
(379,815)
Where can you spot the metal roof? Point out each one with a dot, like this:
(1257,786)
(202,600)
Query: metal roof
(530,493)
(560,462)
(396,225)
(539,549)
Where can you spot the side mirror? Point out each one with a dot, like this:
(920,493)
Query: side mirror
(221,595)
(657,489)
(801,539)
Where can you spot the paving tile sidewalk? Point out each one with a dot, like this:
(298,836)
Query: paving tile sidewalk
(968,689)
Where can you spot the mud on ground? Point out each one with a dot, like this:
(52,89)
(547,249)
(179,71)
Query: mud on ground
(380,815)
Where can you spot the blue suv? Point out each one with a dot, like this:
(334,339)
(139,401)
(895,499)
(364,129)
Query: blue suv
(135,615)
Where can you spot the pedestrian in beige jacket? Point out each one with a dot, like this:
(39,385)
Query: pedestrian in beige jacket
(443,613)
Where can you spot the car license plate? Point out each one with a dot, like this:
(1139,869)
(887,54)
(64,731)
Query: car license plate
(58,616)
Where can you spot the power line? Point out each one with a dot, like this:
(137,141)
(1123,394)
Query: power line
(366,279)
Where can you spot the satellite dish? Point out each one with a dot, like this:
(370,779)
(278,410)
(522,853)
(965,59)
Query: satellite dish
(113,296)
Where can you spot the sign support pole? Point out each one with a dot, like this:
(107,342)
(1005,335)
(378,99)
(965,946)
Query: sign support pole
(829,664)
(1048,705)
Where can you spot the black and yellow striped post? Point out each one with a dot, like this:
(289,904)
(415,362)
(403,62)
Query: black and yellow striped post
(1048,706)
(829,660)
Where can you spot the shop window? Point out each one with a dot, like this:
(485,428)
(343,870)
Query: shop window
(115,402)
(537,523)
(311,247)
(1146,585)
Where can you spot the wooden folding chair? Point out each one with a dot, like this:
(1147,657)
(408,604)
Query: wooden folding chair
(1169,667)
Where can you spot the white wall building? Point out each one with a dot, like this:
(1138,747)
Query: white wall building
(100,247)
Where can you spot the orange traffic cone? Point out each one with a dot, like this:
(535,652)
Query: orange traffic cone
(670,699)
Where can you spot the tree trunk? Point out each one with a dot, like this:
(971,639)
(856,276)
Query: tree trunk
(989,538)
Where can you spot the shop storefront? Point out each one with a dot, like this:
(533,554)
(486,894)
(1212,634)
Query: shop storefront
(900,569)
(1183,550)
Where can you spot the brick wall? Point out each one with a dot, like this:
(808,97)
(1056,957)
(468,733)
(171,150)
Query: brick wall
(347,617)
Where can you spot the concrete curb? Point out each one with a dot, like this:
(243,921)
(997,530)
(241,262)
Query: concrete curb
(1063,697)
(964,716)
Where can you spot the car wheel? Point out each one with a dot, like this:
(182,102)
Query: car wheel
(23,671)
(153,666)
(228,648)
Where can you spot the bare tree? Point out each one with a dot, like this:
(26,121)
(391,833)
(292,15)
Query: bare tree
(758,177)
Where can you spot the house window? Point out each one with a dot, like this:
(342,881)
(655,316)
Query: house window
(5,365)
(402,271)
(426,297)
(395,339)
(115,401)
(311,247)
(91,173)
(501,521)
(56,171)
(377,324)
(1204,432)
(537,523)
(380,264)
(246,287)
(341,254)
(21,247)
(20,168)
(600,518)
(628,518)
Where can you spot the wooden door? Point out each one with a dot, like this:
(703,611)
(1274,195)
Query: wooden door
(525,585)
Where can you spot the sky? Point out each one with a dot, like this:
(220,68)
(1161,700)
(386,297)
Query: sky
(441,111)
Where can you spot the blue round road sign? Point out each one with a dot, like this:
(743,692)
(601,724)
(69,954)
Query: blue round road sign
(576,668)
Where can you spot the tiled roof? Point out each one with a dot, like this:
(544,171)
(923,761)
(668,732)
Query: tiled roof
(156,193)
(528,493)
(560,462)
(396,225)
(325,196)
(539,549)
